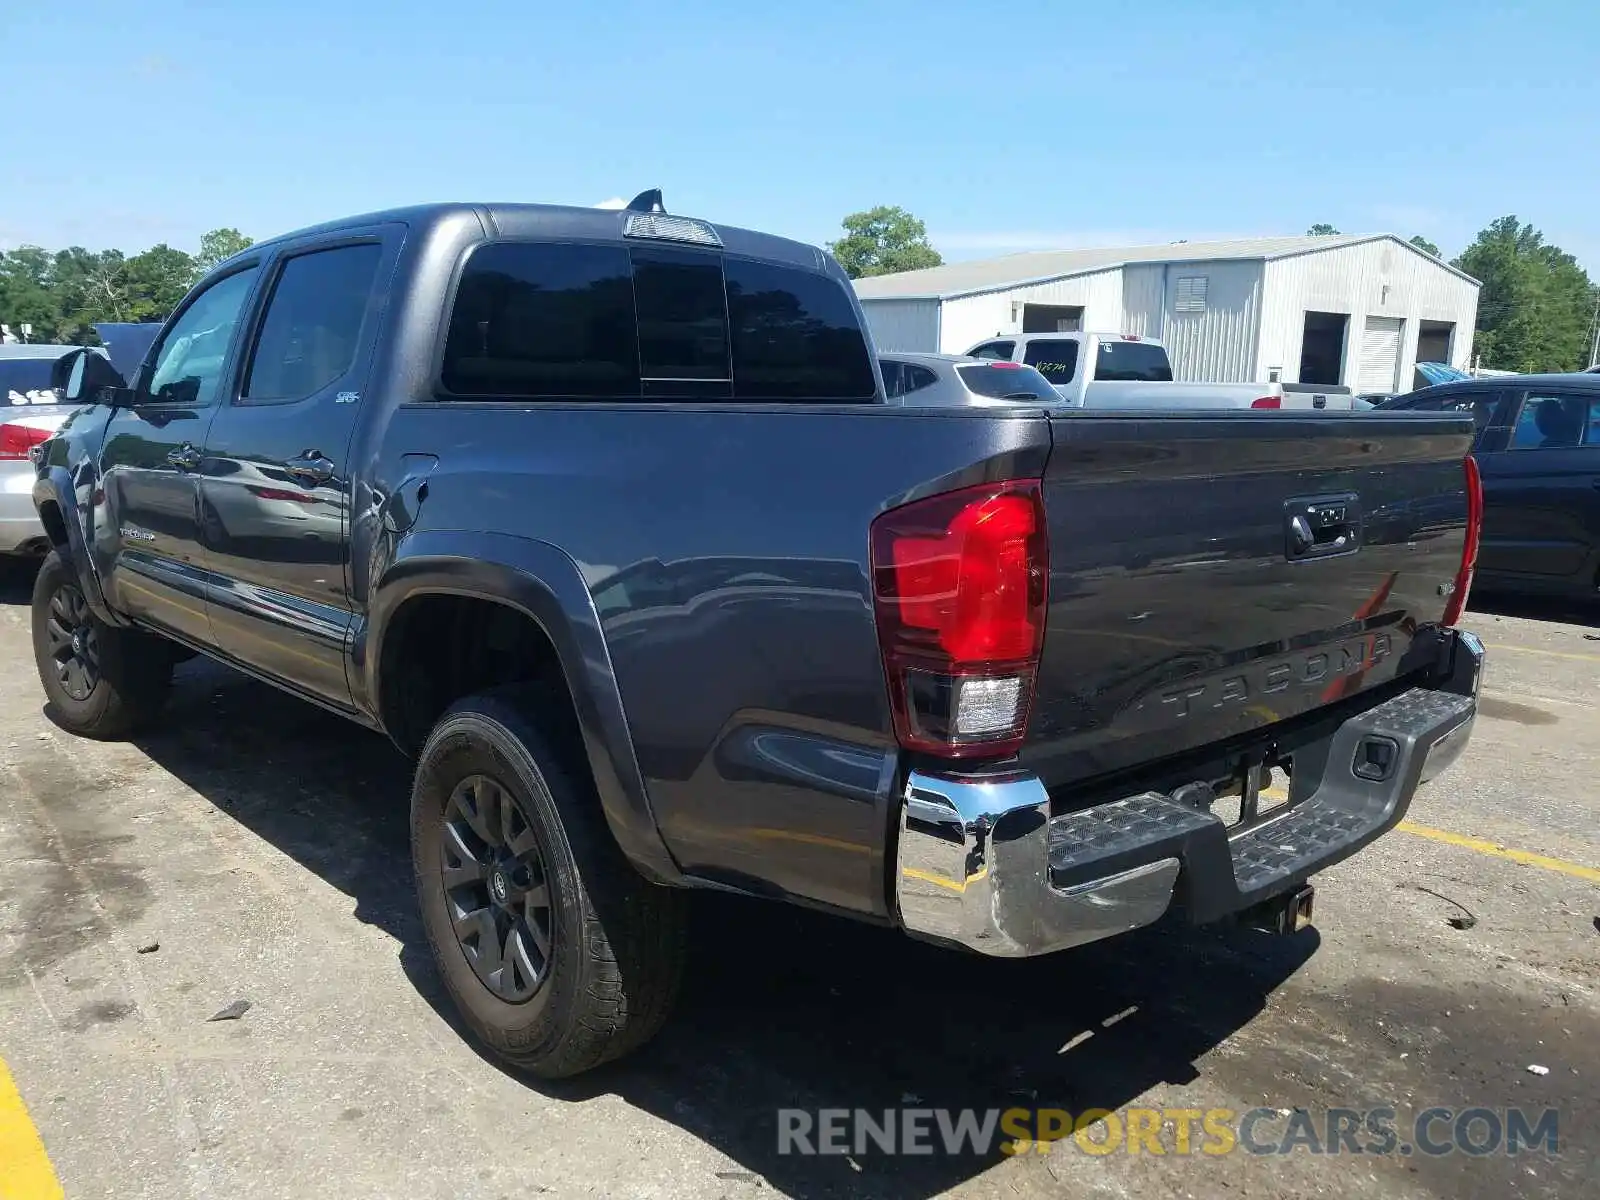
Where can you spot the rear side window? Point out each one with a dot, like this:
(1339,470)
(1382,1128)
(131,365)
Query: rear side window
(1133,362)
(27,381)
(553,321)
(917,378)
(540,319)
(1556,423)
(312,326)
(1057,361)
(795,336)
(1013,382)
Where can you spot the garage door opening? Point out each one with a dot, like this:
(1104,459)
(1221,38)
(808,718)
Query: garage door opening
(1434,339)
(1052,318)
(1322,347)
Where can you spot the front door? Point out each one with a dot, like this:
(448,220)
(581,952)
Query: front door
(275,493)
(147,539)
(1542,493)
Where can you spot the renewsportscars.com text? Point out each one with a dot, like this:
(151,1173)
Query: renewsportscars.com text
(1433,1132)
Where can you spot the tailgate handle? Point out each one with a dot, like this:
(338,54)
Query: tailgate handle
(1322,526)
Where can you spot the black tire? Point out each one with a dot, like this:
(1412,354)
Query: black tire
(116,680)
(614,944)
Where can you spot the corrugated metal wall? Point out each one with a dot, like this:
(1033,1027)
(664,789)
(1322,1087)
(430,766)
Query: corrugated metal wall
(1217,342)
(903,324)
(1144,299)
(1381,278)
(970,319)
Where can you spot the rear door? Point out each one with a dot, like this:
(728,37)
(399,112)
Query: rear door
(1542,492)
(276,492)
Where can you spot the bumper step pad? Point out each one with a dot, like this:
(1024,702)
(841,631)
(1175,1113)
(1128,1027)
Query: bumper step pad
(1222,871)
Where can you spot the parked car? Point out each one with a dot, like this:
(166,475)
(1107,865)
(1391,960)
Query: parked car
(30,411)
(977,672)
(958,379)
(1112,370)
(1537,444)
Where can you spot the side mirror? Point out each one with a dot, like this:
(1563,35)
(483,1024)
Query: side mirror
(81,375)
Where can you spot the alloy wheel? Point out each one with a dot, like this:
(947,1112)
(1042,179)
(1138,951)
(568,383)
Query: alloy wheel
(497,889)
(74,642)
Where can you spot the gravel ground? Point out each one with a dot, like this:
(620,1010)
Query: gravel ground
(262,844)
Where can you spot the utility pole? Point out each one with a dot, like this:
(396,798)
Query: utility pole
(1594,346)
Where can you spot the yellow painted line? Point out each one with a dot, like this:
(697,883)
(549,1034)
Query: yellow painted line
(1502,648)
(1496,850)
(25,1170)
(941,881)
(1482,846)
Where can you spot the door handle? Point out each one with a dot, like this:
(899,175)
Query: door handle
(185,458)
(311,468)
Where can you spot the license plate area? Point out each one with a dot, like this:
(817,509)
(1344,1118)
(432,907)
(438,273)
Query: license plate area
(1253,793)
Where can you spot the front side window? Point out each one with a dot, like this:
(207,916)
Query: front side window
(544,320)
(1057,361)
(1556,422)
(312,326)
(795,336)
(994,350)
(188,367)
(1481,405)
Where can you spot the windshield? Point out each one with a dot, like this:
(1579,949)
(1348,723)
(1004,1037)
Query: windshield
(1006,381)
(1133,362)
(27,381)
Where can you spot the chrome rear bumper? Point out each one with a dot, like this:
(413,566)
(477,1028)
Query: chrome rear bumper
(983,864)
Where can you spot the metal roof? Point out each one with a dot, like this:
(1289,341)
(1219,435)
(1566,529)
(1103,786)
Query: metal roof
(1041,266)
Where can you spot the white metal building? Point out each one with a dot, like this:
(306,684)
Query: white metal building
(1356,310)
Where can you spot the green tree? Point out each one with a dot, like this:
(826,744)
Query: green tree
(1423,244)
(25,292)
(1537,303)
(882,241)
(1321,230)
(157,280)
(219,245)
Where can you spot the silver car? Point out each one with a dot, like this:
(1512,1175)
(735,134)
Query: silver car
(30,411)
(932,379)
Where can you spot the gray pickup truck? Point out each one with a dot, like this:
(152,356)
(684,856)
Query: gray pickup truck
(603,517)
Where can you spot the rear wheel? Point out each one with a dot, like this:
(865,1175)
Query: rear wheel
(557,953)
(101,681)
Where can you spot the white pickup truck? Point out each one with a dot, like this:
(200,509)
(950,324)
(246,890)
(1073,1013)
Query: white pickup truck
(1121,370)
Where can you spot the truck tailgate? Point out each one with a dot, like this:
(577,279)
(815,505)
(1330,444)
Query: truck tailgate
(1180,611)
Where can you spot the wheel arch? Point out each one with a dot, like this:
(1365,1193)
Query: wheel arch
(434,573)
(56,501)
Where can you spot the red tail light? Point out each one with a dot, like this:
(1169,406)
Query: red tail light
(1267,402)
(17,440)
(959,584)
(1469,547)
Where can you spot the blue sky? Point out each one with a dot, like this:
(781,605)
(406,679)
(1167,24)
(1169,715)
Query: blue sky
(1016,126)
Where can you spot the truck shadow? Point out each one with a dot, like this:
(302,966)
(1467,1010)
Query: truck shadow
(782,1009)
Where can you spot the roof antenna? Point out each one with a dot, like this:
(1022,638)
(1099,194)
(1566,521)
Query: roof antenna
(649,201)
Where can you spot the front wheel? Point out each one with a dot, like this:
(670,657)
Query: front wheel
(558,954)
(101,681)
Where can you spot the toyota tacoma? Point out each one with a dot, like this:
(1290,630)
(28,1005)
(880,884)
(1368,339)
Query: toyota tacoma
(602,516)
